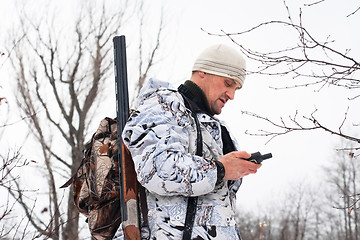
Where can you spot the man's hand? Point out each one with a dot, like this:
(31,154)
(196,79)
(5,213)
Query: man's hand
(236,167)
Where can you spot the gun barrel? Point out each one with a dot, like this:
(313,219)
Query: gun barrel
(122,109)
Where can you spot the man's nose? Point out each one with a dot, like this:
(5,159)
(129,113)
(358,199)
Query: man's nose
(230,94)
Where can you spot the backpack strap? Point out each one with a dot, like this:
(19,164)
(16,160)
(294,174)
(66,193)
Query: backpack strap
(144,228)
(192,201)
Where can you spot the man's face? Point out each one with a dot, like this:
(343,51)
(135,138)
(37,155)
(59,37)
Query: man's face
(218,90)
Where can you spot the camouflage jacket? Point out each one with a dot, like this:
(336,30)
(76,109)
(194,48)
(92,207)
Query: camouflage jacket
(161,136)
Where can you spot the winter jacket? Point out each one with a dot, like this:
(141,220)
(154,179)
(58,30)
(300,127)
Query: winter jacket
(161,136)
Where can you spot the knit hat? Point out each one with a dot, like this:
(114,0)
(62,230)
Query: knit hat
(223,61)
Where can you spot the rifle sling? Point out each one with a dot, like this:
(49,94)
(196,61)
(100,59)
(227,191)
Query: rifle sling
(192,201)
(144,207)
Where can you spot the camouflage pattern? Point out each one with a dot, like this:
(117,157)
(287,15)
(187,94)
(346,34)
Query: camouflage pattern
(161,136)
(96,182)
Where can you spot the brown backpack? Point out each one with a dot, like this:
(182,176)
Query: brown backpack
(96,182)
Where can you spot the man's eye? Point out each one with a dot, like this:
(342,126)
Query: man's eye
(227,83)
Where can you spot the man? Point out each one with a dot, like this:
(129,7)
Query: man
(183,153)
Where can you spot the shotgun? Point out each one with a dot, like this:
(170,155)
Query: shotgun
(128,182)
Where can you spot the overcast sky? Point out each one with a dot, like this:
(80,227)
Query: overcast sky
(297,156)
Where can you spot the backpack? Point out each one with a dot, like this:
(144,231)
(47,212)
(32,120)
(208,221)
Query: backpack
(96,182)
(97,189)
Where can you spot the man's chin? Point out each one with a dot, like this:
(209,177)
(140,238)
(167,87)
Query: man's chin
(217,112)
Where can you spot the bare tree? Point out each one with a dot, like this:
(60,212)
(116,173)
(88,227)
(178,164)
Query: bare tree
(309,61)
(254,227)
(147,58)
(61,78)
(12,223)
(343,176)
(2,102)
(325,210)
(297,215)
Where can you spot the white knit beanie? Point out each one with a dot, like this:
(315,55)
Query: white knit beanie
(223,61)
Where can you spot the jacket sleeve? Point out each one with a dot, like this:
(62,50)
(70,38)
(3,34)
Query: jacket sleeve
(158,137)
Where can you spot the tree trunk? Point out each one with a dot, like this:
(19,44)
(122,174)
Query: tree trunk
(70,231)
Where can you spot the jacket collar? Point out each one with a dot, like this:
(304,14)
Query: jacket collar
(196,94)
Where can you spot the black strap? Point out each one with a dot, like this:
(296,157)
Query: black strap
(190,217)
(192,201)
(192,106)
(144,221)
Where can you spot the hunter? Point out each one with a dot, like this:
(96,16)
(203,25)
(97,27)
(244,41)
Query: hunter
(184,156)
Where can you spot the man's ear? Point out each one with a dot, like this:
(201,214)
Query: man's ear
(201,74)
